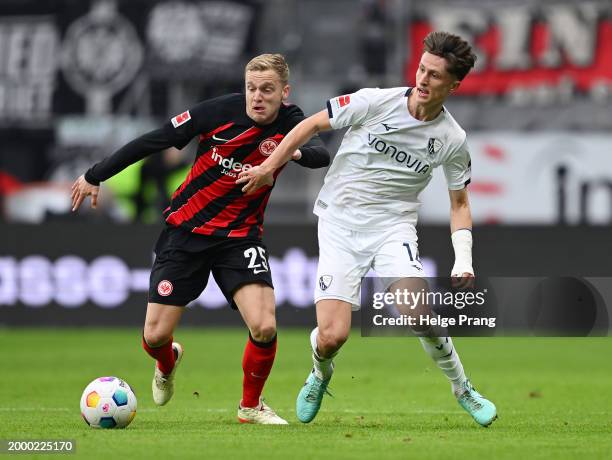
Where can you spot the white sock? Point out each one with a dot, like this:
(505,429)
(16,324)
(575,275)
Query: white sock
(323,367)
(443,352)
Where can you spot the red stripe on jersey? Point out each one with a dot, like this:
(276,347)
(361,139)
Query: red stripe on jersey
(253,219)
(203,137)
(224,218)
(204,162)
(204,196)
(256,218)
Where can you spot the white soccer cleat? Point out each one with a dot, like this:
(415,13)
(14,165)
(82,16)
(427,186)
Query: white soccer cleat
(163,385)
(262,415)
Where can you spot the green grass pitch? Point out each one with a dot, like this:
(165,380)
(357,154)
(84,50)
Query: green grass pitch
(554,397)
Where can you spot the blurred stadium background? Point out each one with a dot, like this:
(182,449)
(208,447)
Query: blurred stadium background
(80,78)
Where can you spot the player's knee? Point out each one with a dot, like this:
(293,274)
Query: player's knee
(263,332)
(331,340)
(155,335)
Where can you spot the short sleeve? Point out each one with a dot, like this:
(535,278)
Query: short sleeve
(458,168)
(348,110)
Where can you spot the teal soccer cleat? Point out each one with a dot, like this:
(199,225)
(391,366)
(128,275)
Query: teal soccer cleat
(482,410)
(309,400)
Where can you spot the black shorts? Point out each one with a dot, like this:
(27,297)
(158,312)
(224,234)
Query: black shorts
(184,261)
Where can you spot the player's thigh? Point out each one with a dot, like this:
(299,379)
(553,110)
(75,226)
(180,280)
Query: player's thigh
(341,266)
(255,302)
(160,322)
(397,255)
(180,271)
(242,271)
(416,303)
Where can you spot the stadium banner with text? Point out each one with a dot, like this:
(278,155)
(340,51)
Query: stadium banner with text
(489,306)
(556,47)
(533,178)
(110,56)
(98,274)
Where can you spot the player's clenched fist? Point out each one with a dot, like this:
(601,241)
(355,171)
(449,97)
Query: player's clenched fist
(82,189)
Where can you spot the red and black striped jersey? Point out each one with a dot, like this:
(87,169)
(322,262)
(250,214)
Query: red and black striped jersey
(209,202)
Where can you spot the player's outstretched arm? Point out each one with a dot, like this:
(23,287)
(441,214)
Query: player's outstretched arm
(263,174)
(89,183)
(461,235)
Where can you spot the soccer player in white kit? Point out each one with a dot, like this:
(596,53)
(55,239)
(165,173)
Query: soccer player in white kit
(368,206)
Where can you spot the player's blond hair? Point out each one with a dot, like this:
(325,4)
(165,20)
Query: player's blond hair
(275,62)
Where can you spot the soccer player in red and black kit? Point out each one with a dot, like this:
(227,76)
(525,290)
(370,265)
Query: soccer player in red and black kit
(212,226)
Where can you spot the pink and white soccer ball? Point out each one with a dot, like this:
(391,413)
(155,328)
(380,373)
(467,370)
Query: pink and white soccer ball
(108,402)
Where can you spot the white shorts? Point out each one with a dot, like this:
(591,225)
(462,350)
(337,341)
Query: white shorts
(346,256)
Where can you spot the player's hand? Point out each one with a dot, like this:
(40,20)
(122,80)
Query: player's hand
(463,281)
(255,178)
(82,189)
(297,155)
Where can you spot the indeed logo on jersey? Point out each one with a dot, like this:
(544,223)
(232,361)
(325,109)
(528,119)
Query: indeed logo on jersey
(230,167)
(414,163)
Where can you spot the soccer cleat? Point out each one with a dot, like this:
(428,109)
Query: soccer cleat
(262,415)
(311,395)
(482,410)
(163,385)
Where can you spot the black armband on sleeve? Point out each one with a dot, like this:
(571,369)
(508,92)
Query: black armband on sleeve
(130,153)
(314,154)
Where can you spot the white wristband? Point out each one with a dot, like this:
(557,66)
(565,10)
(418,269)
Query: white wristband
(462,244)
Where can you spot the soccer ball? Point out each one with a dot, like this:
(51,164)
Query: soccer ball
(108,402)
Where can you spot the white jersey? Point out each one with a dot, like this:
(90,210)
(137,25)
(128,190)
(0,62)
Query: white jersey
(386,159)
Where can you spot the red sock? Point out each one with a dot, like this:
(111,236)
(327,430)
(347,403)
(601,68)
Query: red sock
(256,364)
(163,354)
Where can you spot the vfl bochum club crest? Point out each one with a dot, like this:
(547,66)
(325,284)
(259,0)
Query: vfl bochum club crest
(434,146)
(325,281)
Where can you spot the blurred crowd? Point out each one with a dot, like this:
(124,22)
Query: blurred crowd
(79,79)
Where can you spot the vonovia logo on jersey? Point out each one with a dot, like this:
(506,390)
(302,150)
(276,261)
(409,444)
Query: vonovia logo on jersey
(325,281)
(268,146)
(165,288)
(434,145)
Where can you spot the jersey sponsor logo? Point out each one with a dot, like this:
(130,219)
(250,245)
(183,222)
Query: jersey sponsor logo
(411,162)
(181,119)
(230,166)
(267,146)
(325,282)
(434,145)
(344,100)
(165,288)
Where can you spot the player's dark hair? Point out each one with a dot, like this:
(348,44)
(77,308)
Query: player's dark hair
(458,53)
